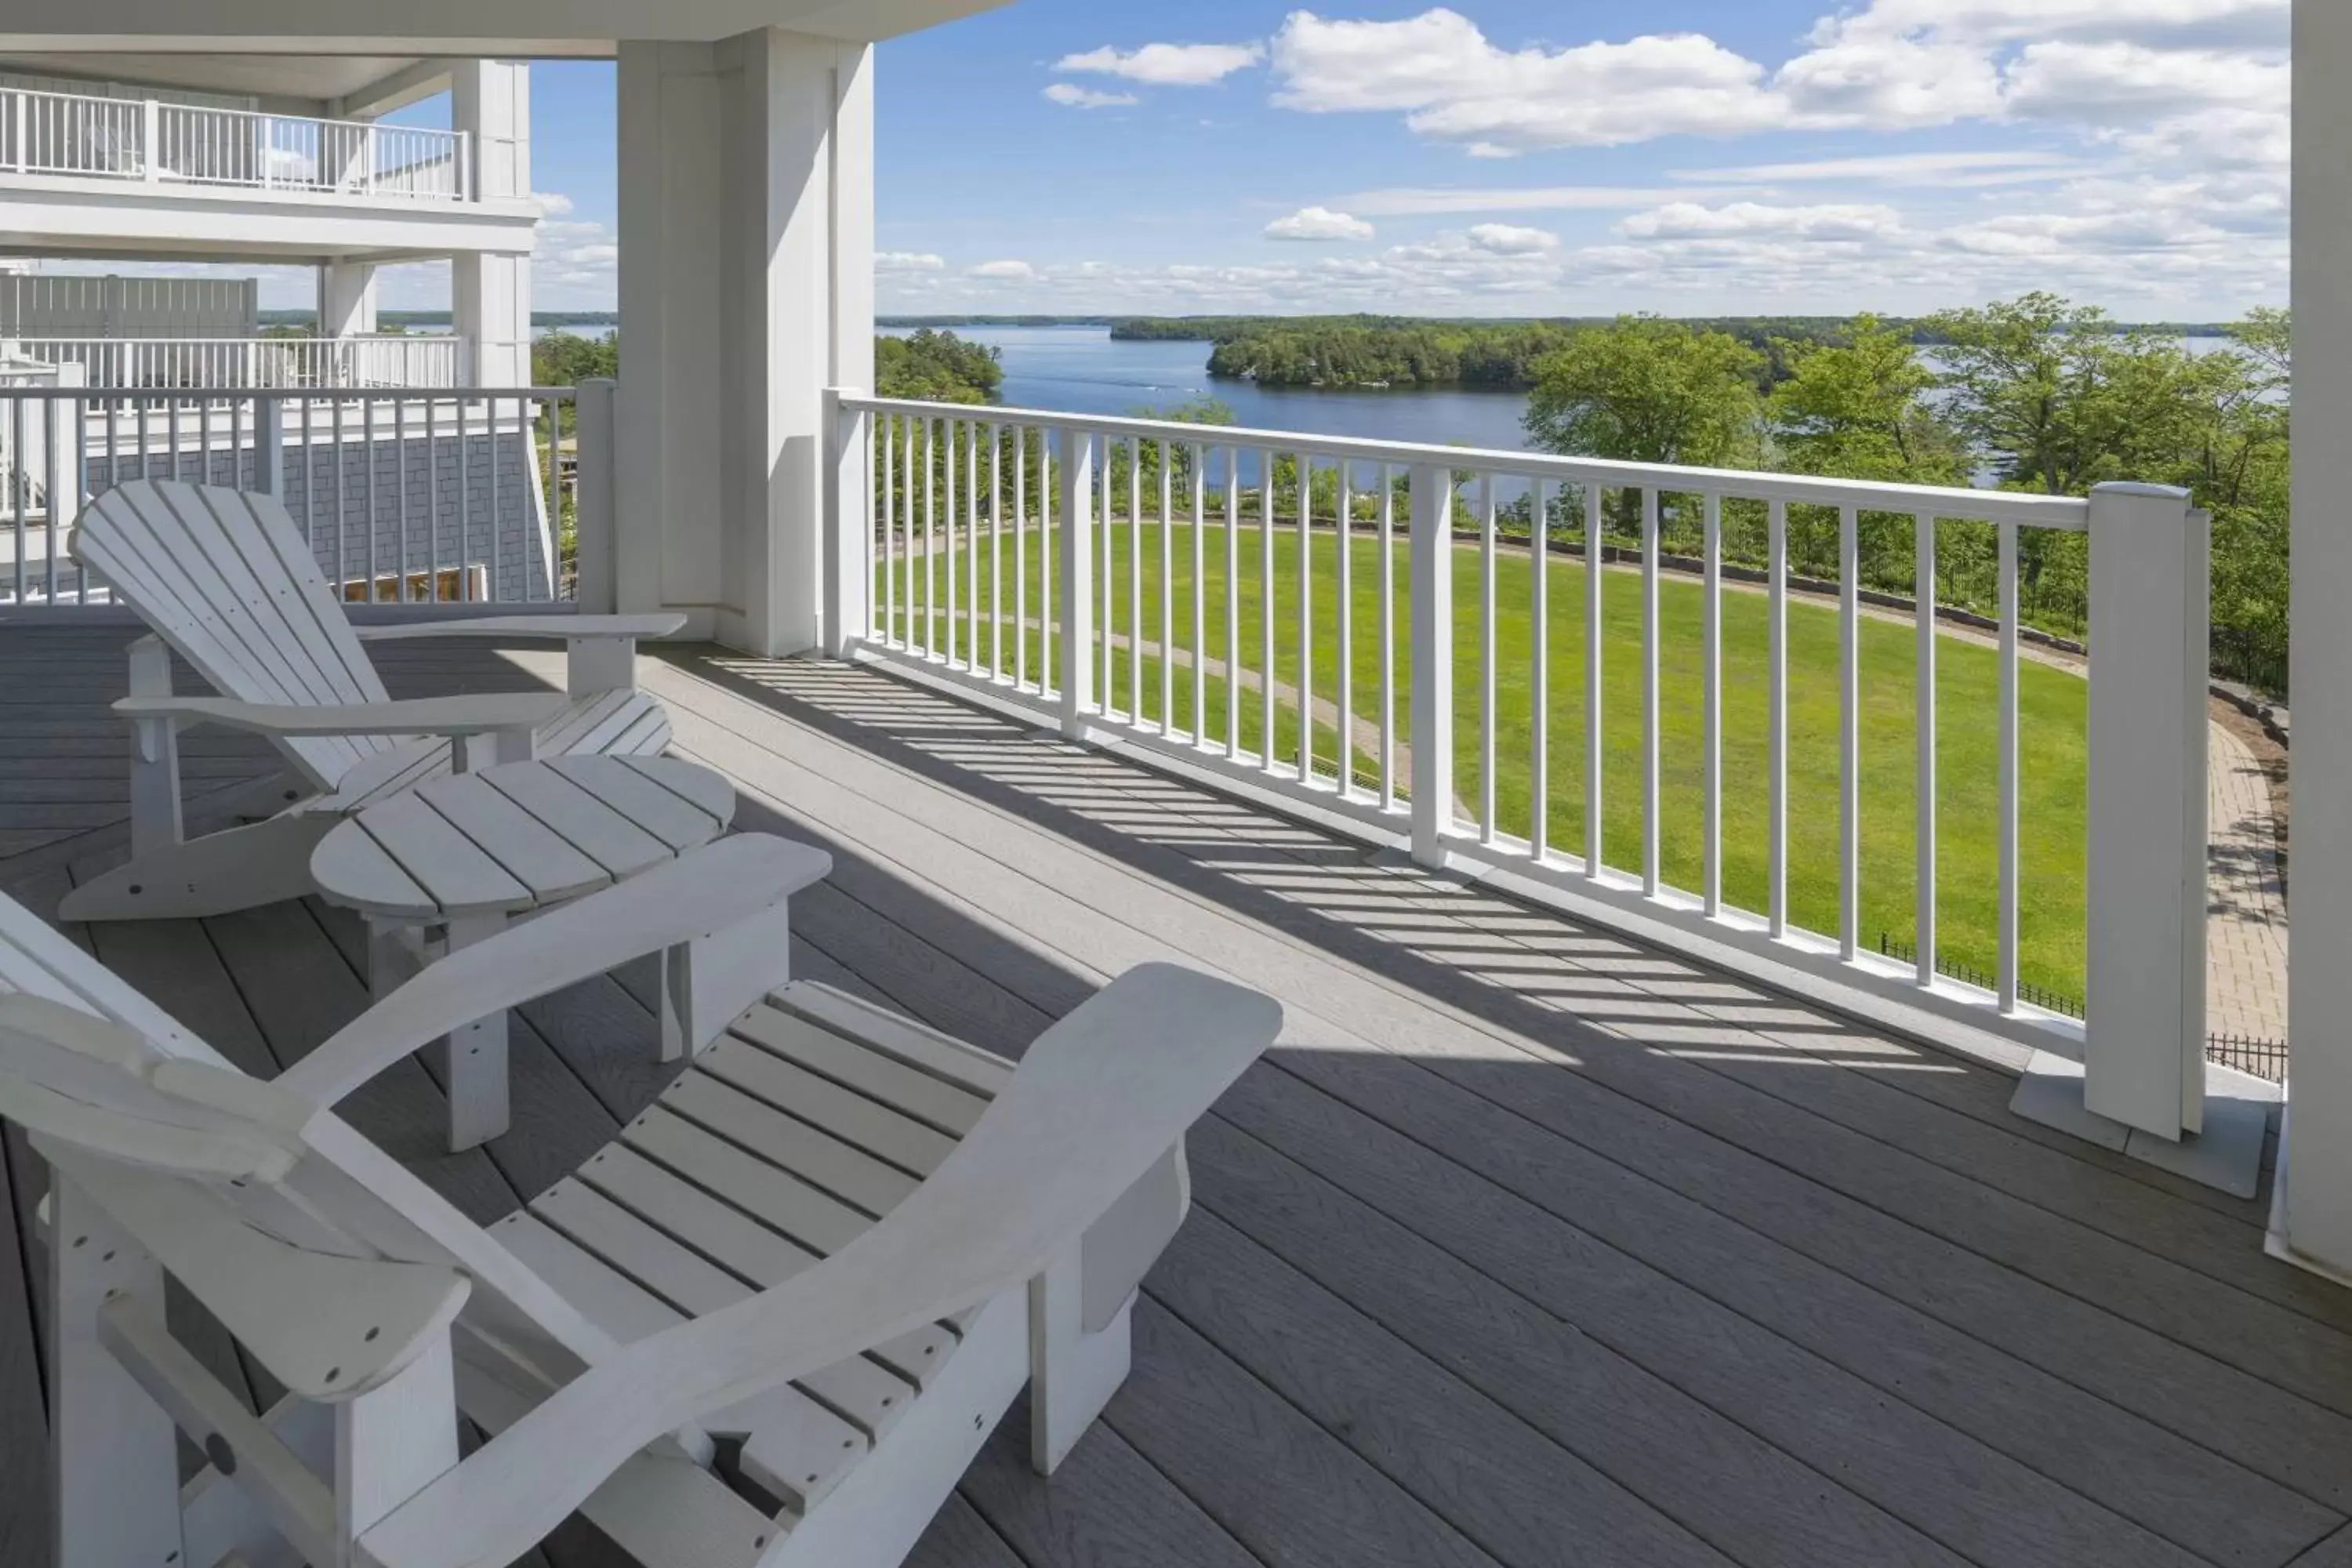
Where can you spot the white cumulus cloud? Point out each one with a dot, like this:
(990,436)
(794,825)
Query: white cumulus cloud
(1901,169)
(908,261)
(1690,220)
(1319,223)
(1005,271)
(1418,200)
(1070,95)
(1167,65)
(1893,63)
(1509,239)
(1451,83)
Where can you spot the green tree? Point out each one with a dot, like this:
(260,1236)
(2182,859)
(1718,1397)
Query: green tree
(936,367)
(1860,409)
(567,359)
(1652,391)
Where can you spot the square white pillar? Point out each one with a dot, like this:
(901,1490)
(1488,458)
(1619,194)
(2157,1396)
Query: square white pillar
(2312,1221)
(489,102)
(746,219)
(347,297)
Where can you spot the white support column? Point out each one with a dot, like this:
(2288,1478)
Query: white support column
(347,297)
(2142,1085)
(746,172)
(2144,1043)
(2312,1218)
(1432,660)
(490,101)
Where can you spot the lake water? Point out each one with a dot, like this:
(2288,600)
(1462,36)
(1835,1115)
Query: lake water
(1083,370)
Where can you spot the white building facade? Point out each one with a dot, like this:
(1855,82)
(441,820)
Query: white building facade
(219,159)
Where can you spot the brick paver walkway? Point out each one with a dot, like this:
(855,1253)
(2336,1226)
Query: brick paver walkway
(2245,942)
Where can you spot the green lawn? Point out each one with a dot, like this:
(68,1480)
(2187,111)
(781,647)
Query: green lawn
(2052,718)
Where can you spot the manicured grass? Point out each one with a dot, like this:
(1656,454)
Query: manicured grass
(2051,704)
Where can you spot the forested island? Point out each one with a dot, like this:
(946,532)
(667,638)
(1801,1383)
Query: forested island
(1399,352)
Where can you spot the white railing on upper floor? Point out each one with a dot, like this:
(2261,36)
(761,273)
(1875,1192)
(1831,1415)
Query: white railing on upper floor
(1157,583)
(411,496)
(92,137)
(388,360)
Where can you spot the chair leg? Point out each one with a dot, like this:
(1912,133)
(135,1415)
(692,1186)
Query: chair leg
(155,821)
(597,665)
(393,1441)
(117,1461)
(1072,1373)
(707,983)
(476,1054)
(393,955)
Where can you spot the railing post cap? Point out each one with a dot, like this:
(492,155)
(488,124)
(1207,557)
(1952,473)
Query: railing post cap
(2136,488)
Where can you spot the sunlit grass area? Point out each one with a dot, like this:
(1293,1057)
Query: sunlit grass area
(2052,710)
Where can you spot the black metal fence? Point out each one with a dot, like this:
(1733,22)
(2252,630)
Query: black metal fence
(1892,946)
(2263,1058)
(2246,1053)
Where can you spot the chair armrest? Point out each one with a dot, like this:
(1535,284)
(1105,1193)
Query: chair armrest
(306,1315)
(569,628)
(706,890)
(477,714)
(1094,1105)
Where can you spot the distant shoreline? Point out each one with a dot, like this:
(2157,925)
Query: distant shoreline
(1169,329)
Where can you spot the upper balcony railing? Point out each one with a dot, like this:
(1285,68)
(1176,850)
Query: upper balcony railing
(1416,638)
(144,139)
(391,360)
(407,495)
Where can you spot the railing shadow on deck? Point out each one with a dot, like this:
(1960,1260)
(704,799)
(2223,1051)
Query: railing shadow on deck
(1534,971)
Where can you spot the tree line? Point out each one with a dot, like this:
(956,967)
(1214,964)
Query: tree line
(2033,393)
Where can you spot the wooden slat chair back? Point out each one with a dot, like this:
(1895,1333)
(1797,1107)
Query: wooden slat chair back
(227,580)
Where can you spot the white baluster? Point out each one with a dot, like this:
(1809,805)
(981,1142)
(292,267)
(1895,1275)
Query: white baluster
(1076,494)
(1776,722)
(1711,699)
(1849,733)
(1923,596)
(1649,629)
(1432,545)
(1593,552)
(1487,658)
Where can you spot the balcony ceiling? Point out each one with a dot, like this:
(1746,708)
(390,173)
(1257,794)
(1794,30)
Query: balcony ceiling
(561,28)
(261,75)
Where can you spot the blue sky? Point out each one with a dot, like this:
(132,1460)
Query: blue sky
(1513,157)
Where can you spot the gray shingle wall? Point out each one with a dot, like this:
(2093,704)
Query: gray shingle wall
(466,503)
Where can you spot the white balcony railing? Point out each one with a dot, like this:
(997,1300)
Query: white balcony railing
(91,137)
(411,496)
(391,360)
(1012,551)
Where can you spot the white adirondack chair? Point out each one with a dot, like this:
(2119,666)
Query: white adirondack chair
(705,1340)
(225,579)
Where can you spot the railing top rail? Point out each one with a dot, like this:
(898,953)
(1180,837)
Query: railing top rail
(74,97)
(433,338)
(174,104)
(286,394)
(2064,512)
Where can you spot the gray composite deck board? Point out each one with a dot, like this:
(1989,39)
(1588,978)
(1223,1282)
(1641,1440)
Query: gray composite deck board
(1526,1245)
